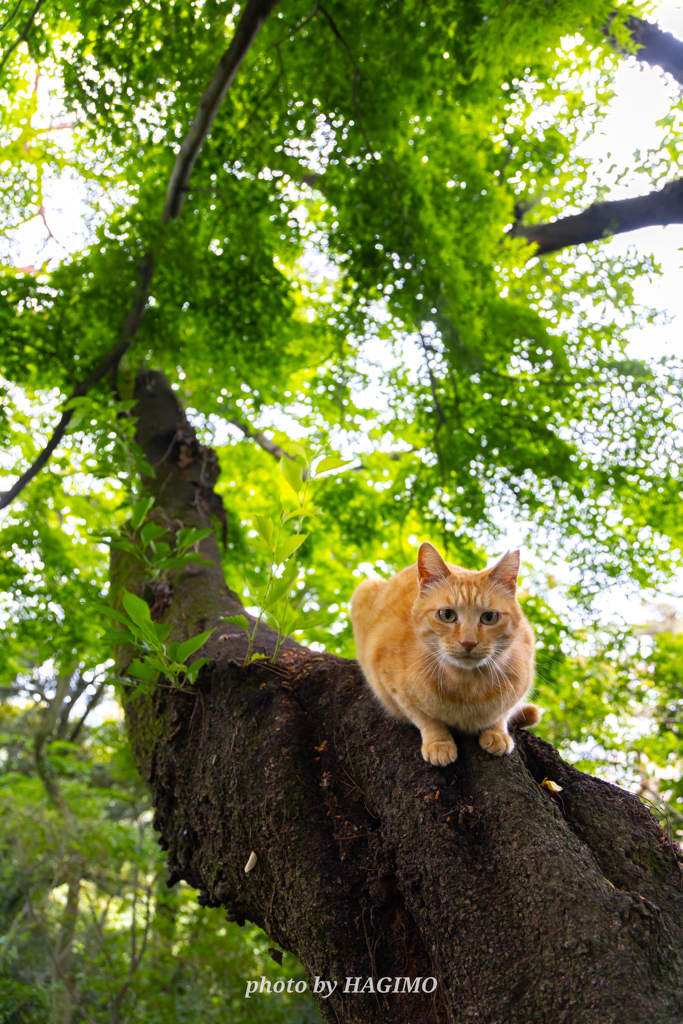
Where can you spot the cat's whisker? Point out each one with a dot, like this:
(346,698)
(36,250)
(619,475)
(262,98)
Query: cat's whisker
(547,681)
(548,657)
(432,660)
(498,675)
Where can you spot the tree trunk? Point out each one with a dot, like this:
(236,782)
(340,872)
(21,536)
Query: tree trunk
(526,905)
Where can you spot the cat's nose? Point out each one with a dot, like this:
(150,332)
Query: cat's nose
(468,645)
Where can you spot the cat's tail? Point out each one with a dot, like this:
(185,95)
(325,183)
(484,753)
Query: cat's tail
(524,716)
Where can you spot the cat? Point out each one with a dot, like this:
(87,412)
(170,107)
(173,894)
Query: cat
(445,646)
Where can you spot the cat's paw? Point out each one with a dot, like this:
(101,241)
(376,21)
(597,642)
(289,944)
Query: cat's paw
(497,742)
(440,752)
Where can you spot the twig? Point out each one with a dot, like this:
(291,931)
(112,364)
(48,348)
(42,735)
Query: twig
(92,703)
(269,446)
(108,363)
(22,38)
(441,419)
(297,28)
(8,937)
(11,16)
(356,74)
(50,716)
(73,993)
(539,380)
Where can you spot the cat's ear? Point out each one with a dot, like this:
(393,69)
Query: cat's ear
(506,571)
(431,567)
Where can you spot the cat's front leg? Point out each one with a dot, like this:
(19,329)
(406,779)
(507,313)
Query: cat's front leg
(496,739)
(438,746)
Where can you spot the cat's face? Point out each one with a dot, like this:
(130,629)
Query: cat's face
(466,619)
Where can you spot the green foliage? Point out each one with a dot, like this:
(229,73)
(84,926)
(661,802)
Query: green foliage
(274,596)
(157,558)
(148,638)
(195,966)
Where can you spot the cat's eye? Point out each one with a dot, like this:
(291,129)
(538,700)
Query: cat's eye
(488,618)
(447,615)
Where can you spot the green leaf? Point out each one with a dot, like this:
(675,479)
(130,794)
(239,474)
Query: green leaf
(283,585)
(125,545)
(80,402)
(331,462)
(118,637)
(296,449)
(289,546)
(265,526)
(181,651)
(141,670)
(140,511)
(159,551)
(114,613)
(150,532)
(194,556)
(261,545)
(136,608)
(189,536)
(303,512)
(237,620)
(192,671)
(292,474)
(162,630)
(158,664)
(303,620)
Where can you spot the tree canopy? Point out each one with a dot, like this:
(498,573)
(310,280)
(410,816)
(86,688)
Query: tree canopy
(348,225)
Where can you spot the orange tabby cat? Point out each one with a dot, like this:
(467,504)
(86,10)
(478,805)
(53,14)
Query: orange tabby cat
(444,646)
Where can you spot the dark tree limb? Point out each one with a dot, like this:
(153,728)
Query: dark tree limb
(251,21)
(526,905)
(653,46)
(602,220)
(108,364)
(260,438)
(11,16)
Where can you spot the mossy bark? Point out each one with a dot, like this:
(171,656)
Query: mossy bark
(527,906)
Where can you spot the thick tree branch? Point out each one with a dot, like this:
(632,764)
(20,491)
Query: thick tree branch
(602,220)
(652,46)
(248,27)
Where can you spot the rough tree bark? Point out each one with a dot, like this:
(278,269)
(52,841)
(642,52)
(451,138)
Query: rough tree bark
(527,906)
